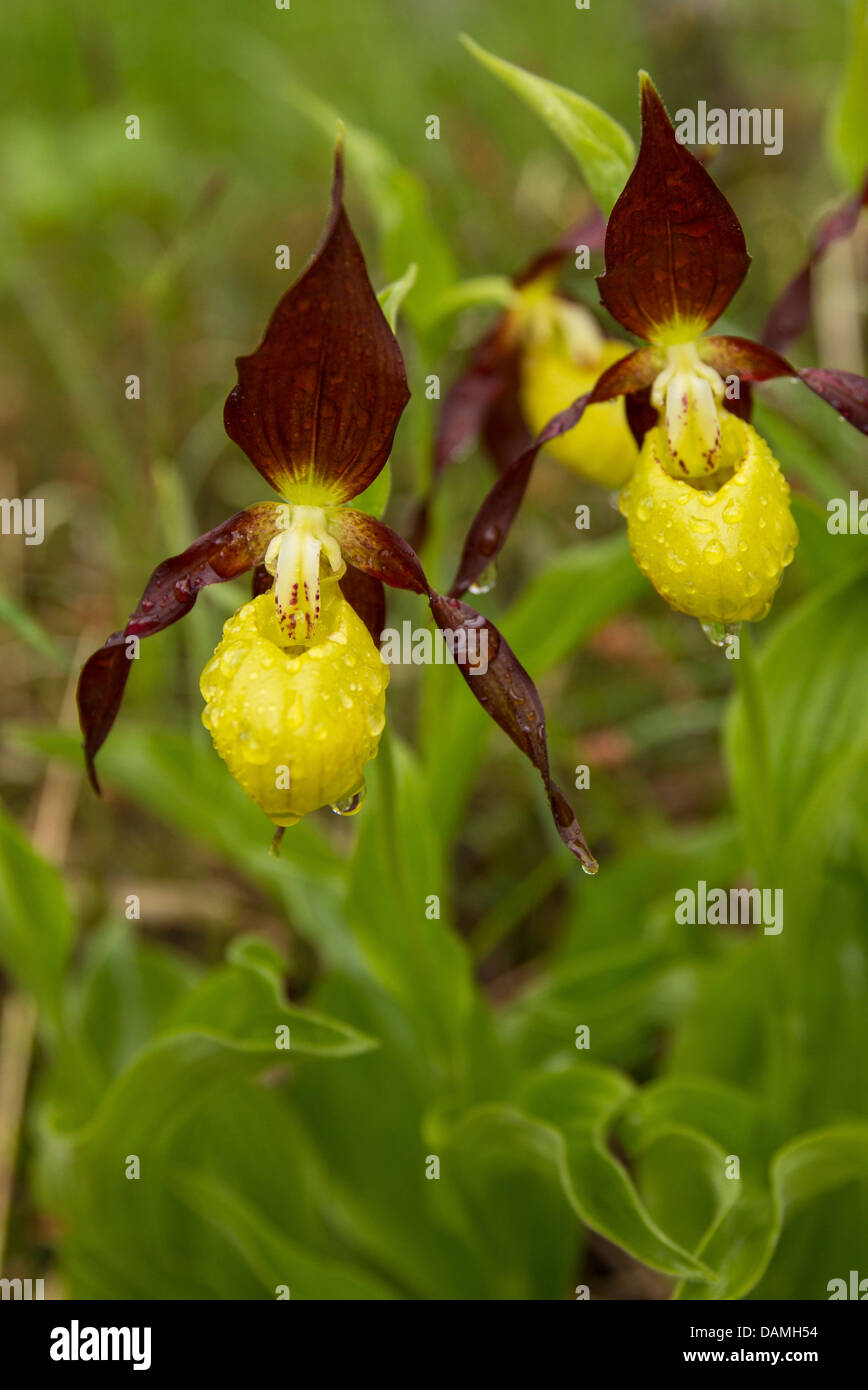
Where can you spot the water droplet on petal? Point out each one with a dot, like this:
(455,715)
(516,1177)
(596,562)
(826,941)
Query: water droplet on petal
(489,540)
(486,581)
(716,633)
(349,805)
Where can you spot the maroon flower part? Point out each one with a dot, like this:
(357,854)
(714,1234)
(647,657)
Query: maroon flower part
(791,312)
(224,553)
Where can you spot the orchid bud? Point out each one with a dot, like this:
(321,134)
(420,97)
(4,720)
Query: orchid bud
(714,547)
(296,720)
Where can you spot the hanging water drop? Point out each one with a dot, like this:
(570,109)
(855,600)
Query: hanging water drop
(486,580)
(716,633)
(349,805)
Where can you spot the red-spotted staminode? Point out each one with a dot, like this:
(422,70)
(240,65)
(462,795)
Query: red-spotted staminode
(707,506)
(295,692)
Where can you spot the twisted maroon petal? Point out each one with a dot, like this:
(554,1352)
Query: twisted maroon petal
(237,545)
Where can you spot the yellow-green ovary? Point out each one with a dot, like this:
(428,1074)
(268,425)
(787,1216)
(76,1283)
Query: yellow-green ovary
(295,723)
(717,553)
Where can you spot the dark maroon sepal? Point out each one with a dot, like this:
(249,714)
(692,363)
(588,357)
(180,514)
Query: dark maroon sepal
(231,548)
(675,251)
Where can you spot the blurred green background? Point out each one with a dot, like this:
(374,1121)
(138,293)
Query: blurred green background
(414,1036)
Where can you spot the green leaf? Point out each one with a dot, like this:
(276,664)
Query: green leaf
(243,1003)
(36,926)
(564,1120)
(601,147)
(276,1259)
(743,1244)
(16,617)
(180,779)
(397,904)
(468,294)
(848,124)
(811,680)
(124,989)
(392,297)
(375,498)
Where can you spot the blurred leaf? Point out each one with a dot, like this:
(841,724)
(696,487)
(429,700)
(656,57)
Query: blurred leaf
(799,453)
(601,147)
(820,555)
(124,989)
(398,198)
(467,294)
(272,1255)
(221,1034)
(375,497)
(812,677)
(181,780)
(397,904)
(848,123)
(744,1242)
(243,1002)
(392,297)
(36,927)
(564,1120)
(16,617)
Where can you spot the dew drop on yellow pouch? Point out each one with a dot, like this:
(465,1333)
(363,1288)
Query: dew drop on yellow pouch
(296,721)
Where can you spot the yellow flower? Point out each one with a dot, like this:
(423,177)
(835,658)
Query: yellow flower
(553,374)
(714,547)
(296,720)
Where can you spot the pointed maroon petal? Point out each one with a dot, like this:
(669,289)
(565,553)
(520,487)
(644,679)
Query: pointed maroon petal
(509,696)
(470,396)
(505,690)
(491,525)
(368,597)
(675,250)
(504,430)
(791,312)
(377,550)
(742,404)
(320,399)
(231,548)
(744,358)
(641,415)
(844,391)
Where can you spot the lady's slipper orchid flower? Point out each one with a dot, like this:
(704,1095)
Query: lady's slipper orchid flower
(542,352)
(295,691)
(707,507)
